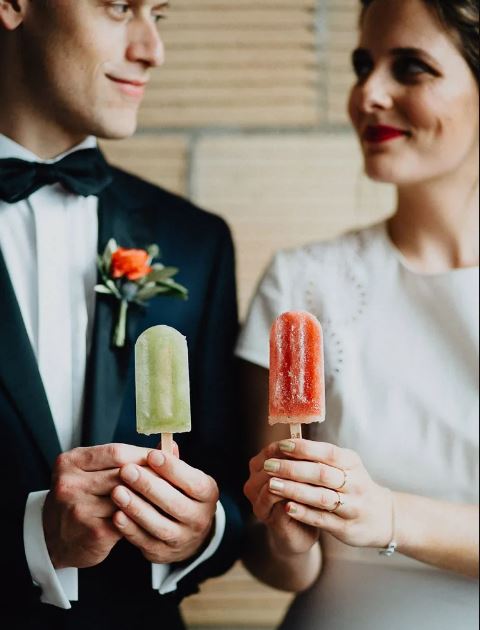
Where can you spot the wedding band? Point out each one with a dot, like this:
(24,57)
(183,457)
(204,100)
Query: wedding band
(344,480)
(340,502)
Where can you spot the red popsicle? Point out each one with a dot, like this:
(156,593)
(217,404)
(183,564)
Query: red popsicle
(297,381)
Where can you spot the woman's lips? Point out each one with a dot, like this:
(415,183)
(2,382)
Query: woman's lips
(382,133)
(130,87)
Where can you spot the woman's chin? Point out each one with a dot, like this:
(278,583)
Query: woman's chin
(382,171)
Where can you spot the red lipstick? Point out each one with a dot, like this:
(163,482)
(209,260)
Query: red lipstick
(382,133)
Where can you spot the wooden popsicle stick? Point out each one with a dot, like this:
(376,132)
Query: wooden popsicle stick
(296,431)
(167,443)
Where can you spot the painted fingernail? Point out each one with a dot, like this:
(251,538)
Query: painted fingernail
(287,446)
(156,458)
(292,509)
(121,520)
(271,465)
(277,485)
(122,497)
(130,473)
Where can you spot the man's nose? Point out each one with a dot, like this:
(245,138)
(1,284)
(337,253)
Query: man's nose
(146,45)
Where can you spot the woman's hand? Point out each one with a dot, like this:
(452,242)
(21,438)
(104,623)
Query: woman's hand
(325,488)
(286,535)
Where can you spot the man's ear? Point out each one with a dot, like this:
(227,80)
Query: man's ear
(12,13)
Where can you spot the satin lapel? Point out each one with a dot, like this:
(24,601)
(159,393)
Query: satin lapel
(108,366)
(19,374)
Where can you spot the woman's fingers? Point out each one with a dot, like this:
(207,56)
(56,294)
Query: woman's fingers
(326,521)
(314,473)
(321,452)
(264,503)
(313,497)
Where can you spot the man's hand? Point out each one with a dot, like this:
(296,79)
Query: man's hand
(166,508)
(78,509)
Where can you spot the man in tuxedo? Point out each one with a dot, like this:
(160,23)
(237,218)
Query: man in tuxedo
(99,529)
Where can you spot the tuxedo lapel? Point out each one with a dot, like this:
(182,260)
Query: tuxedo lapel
(19,374)
(108,366)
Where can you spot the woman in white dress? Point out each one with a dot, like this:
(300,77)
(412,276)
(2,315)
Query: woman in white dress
(395,465)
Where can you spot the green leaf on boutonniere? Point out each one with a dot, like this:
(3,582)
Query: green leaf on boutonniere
(107,254)
(153,251)
(175,287)
(150,291)
(100,288)
(113,288)
(160,275)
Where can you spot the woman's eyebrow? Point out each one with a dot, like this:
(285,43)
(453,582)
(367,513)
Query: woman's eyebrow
(410,51)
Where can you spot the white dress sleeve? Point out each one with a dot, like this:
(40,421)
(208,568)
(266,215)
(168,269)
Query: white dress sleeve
(273,297)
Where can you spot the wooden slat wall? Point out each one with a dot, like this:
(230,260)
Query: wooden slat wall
(342,38)
(248,119)
(236,62)
(283,191)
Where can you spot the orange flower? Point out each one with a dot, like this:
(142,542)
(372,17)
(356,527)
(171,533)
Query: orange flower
(132,263)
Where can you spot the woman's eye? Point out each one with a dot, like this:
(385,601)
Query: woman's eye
(362,65)
(409,69)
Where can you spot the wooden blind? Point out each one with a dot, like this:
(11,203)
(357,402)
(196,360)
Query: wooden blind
(236,62)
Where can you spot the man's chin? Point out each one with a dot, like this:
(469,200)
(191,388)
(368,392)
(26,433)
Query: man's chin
(117,128)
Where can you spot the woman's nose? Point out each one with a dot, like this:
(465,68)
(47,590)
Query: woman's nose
(375,93)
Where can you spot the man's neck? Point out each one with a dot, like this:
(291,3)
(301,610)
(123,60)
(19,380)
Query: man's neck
(37,143)
(25,125)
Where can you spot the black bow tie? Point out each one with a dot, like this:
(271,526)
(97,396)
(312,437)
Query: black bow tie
(84,173)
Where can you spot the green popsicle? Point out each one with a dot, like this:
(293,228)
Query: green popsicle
(162,382)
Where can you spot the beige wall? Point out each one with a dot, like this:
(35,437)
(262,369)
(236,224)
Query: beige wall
(247,118)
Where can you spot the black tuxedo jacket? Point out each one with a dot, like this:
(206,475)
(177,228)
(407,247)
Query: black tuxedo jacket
(117,593)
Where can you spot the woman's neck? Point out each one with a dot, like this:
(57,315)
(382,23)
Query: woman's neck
(436,223)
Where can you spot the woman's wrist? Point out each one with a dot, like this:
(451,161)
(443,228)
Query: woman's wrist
(391,543)
(281,550)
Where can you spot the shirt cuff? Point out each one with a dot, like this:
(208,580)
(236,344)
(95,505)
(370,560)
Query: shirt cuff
(59,587)
(165,580)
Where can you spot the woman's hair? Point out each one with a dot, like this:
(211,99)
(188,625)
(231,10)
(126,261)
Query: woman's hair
(460,19)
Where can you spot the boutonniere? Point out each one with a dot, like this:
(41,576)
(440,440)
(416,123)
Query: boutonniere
(131,277)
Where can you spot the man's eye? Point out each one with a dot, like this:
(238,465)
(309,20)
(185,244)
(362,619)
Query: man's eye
(119,9)
(158,17)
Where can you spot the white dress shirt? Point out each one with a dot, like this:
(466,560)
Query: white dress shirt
(49,243)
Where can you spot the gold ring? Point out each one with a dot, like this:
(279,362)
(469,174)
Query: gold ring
(340,502)
(344,480)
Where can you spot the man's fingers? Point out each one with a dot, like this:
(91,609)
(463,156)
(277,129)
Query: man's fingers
(94,458)
(152,548)
(160,492)
(176,449)
(147,517)
(101,482)
(94,508)
(193,482)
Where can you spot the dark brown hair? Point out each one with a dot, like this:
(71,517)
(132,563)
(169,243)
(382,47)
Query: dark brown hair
(460,19)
